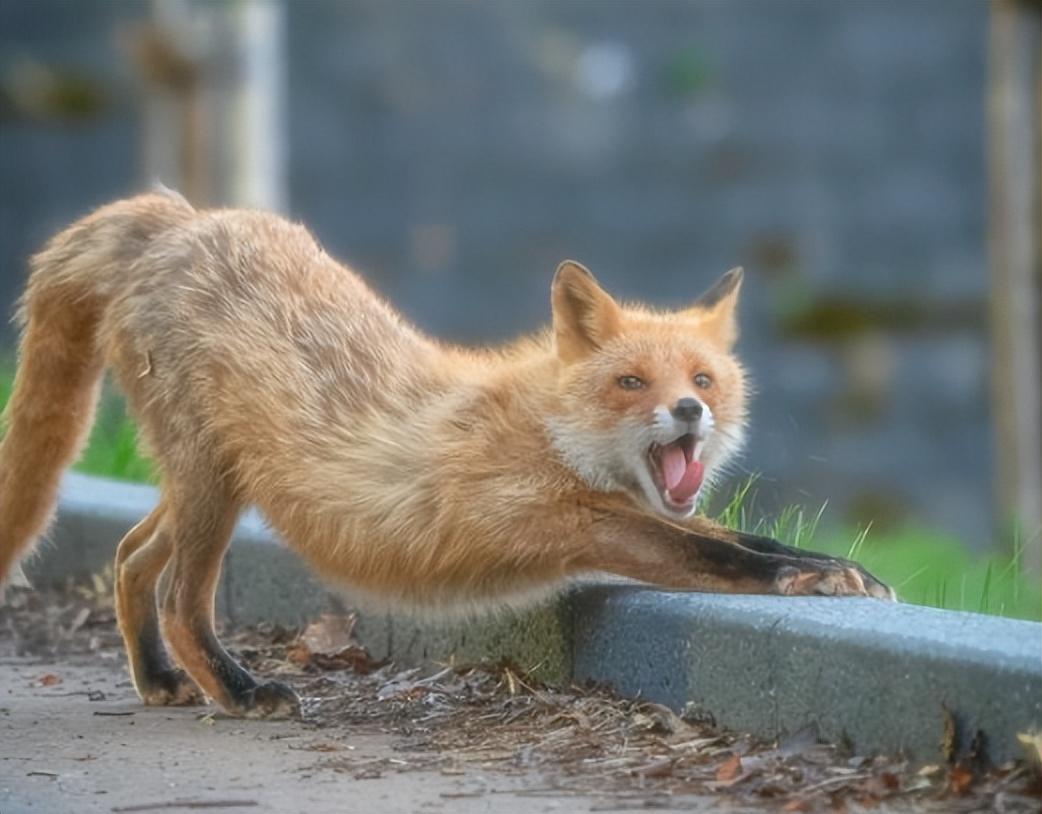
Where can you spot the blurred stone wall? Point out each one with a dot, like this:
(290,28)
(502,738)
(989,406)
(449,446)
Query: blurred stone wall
(456,151)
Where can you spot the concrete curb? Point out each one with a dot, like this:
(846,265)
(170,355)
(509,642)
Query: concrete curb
(875,675)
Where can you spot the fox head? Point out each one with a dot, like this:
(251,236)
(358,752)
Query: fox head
(652,403)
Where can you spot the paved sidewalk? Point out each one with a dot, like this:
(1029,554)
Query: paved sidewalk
(61,753)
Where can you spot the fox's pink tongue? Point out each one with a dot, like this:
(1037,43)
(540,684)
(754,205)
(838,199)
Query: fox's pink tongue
(682,478)
(689,484)
(673,465)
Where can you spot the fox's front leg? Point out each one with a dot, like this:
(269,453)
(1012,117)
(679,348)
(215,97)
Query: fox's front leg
(704,556)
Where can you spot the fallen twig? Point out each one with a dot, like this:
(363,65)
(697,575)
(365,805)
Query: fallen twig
(196,804)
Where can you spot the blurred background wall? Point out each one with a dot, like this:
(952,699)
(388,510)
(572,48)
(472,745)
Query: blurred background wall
(454,152)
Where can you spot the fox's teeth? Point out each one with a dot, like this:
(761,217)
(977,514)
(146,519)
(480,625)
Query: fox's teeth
(696,454)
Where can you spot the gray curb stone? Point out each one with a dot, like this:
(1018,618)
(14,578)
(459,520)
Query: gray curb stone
(875,675)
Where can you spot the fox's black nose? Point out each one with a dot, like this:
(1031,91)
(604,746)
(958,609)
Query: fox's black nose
(687,409)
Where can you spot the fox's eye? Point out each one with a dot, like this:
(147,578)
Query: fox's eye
(631,382)
(703,381)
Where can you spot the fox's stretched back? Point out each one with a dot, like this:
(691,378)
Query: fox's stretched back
(280,370)
(59,361)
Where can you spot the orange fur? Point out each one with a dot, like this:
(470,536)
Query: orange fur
(261,371)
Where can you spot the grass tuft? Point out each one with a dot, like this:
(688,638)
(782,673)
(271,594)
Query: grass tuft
(922,565)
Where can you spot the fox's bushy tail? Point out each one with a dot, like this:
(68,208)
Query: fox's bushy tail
(60,361)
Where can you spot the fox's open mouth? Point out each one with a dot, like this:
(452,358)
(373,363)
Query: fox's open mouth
(676,471)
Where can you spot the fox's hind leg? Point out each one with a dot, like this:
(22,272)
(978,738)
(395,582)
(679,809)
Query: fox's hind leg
(140,559)
(201,523)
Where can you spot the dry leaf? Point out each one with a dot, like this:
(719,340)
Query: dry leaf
(328,644)
(881,786)
(1032,743)
(329,634)
(48,680)
(960,779)
(659,768)
(729,769)
(299,654)
(663,719)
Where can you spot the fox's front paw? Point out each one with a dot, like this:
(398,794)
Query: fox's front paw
(830,579)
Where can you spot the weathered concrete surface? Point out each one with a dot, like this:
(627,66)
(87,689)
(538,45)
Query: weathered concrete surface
(61,753)
(874,673)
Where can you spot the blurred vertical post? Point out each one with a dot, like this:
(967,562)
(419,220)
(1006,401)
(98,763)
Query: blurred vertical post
(252,113)
(214,98)
(1015,258)
(168,56)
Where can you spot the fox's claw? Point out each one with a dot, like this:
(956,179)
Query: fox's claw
(171,688)
(880,590)
(835,578)
(270,700)
(874,587)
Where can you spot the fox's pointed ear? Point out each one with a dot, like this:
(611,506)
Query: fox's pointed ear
(585,316)
(716,310)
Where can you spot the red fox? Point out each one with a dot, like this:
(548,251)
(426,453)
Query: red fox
(262,372)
